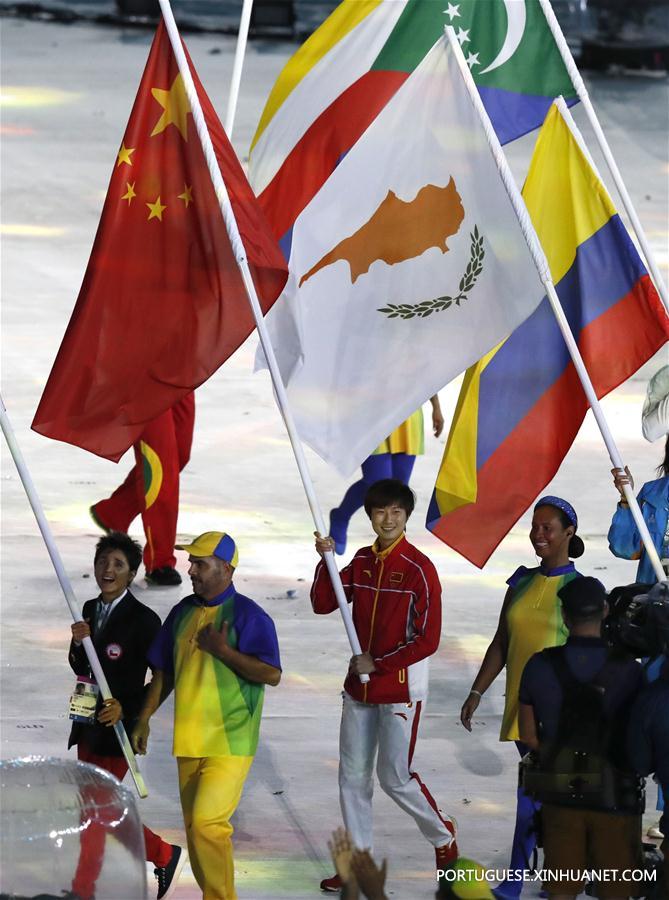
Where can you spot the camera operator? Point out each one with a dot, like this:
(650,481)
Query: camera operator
(638,622)
(648,745)
(574,705)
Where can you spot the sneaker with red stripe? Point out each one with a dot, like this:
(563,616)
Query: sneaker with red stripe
(446,855)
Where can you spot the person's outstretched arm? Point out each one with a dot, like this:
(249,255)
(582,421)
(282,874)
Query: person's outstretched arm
(437,416)
(323,597)
(493,663)
(624,538)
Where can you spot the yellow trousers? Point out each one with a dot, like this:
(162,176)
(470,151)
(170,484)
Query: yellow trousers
(210,789)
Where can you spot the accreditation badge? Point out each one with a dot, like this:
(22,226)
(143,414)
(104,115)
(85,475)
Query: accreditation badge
(84,700)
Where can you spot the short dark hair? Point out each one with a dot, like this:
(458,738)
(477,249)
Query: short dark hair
(388,491)
(119,540)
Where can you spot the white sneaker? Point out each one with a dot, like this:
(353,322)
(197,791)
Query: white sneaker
(654,832)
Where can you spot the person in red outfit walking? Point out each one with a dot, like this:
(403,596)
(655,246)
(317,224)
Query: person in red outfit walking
(152,490)
(396,598)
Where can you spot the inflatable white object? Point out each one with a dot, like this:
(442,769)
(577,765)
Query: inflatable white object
(68,830)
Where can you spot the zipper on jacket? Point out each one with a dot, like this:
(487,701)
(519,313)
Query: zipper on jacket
(540,593)
(371,624)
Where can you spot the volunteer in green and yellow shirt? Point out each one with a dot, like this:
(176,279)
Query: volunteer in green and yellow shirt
(530,620)
(217,649)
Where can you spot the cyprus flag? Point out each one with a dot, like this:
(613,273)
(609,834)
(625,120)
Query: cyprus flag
(407,267)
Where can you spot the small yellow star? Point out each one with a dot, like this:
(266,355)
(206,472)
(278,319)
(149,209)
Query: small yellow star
(130,193)
(156,210)
(187,195)
(124,155)
(176,108)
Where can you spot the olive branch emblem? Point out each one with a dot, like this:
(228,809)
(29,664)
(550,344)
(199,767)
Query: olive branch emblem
(467,282)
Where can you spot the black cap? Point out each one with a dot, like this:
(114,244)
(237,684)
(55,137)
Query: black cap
(583,597)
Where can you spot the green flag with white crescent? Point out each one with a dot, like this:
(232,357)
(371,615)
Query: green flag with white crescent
(345,73)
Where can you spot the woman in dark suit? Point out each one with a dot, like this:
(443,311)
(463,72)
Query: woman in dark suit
(122,630)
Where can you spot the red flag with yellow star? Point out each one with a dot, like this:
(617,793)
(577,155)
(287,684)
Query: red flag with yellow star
(162,304)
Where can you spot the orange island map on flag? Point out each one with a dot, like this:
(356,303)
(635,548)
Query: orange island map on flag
(399,230)
(162,304)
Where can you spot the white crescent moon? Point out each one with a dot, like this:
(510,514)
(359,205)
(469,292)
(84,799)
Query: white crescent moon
(516,16)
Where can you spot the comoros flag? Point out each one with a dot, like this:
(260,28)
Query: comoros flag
(347,71)
(521,406)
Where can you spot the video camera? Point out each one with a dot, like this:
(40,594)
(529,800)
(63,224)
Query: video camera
(638,619)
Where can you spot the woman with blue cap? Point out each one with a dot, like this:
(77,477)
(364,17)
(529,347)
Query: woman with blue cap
(530,620)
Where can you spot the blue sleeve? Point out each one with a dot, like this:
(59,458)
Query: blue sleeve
(161,651)
(520,572)
(256,635)
(624,539)
(652,668)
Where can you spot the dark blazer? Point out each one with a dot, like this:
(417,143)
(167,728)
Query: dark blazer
(122,647)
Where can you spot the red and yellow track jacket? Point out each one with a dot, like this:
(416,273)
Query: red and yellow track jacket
(396,598)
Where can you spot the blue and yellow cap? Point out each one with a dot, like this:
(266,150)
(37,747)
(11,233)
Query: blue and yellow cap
(213,543)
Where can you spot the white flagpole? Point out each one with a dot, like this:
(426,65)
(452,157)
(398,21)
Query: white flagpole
(66,586)
(242,38)
(584,97)
(544,271)
(240,256)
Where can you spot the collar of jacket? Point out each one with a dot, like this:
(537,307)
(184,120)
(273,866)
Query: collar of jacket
(557,570)
(384,554)
(656,493)
(217,600)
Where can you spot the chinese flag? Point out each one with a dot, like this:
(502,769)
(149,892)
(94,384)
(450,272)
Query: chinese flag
(162,304)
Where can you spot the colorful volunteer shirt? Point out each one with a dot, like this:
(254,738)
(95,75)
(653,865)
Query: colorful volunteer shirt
(534,621)
(409,437)
(216,711)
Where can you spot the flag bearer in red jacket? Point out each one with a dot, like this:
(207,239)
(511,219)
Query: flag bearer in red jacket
(396,597)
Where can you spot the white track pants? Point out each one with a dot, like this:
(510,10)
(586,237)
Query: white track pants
(392,729)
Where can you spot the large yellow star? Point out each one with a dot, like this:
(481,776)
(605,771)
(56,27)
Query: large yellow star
(187,195)
(124,155)
(130,193)
(176,108)
(156,209)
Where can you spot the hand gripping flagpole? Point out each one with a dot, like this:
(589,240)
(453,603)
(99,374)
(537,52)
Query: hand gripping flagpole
(66,586)
(584,97)
(242,37)
(541,263)
(240,256)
